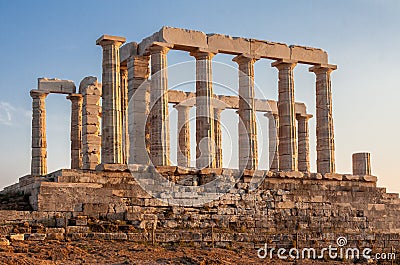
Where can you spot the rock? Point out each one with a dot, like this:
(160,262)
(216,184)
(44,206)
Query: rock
(17,237)
(4,241)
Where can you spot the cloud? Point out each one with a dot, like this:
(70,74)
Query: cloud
(9,114)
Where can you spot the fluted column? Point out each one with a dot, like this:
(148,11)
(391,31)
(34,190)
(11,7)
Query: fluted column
(111,147)
(205,148)
(39,142)
(139,100)
(361,164)
(303,142)
(325,131)
(124,116)
(218,136)
(159,116)
(76,130)
(287,120)
(273,139)
(248,150)
(183,150)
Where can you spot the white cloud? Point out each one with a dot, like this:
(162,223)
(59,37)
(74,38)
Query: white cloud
(9,114)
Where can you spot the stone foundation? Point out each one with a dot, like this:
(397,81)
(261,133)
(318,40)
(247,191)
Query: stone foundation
(287,209)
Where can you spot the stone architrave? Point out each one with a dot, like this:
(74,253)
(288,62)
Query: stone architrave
(138,110)
(273,138)
(111,148)
(287,120)
(248,146)
(205,146)
(91,112)
(183,150)
(159,114)
(39,141)
(76,130)
(325,131)
(303,142)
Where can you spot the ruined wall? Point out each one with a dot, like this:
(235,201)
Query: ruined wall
(287,209)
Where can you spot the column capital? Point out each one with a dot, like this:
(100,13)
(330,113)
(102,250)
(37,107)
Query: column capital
(269,113)
(105,40)
(182,106)
(203,54)
(245,58)
(219,104)
(322,68)
(303,116)
(160,47)
(74,96)
(284,63)
(37,93)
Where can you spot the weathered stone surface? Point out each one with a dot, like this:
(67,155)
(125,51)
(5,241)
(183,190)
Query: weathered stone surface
(54,85)
(361,164)
(270,50)
(228,44)
(17,237)
(35,237)
(181,38)
(4,241)
(308,55)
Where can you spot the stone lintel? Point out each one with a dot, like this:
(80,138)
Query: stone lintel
(109,38)
(231,102)
(308,55)
(188,40)
(55,85)
(183,39)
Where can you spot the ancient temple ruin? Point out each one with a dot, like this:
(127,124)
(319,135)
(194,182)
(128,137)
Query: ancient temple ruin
(120,136)
(126,67)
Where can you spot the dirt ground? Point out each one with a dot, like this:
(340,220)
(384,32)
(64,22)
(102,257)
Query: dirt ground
(124,252)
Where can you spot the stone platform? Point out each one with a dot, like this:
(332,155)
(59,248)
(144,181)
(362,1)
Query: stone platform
(287,207)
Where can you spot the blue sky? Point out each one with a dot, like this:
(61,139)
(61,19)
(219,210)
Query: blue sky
(57,39)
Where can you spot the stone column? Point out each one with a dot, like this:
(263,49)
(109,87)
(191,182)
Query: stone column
(325,132)
(76,130)
(205,146)
(124,111)
(248,150)
(111,147)
(273,145)
(218,136)
(287,120)
(159,116)
(139,100)
(39,142)
(304,142)
(183,150)
(361,164)
(91,112)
